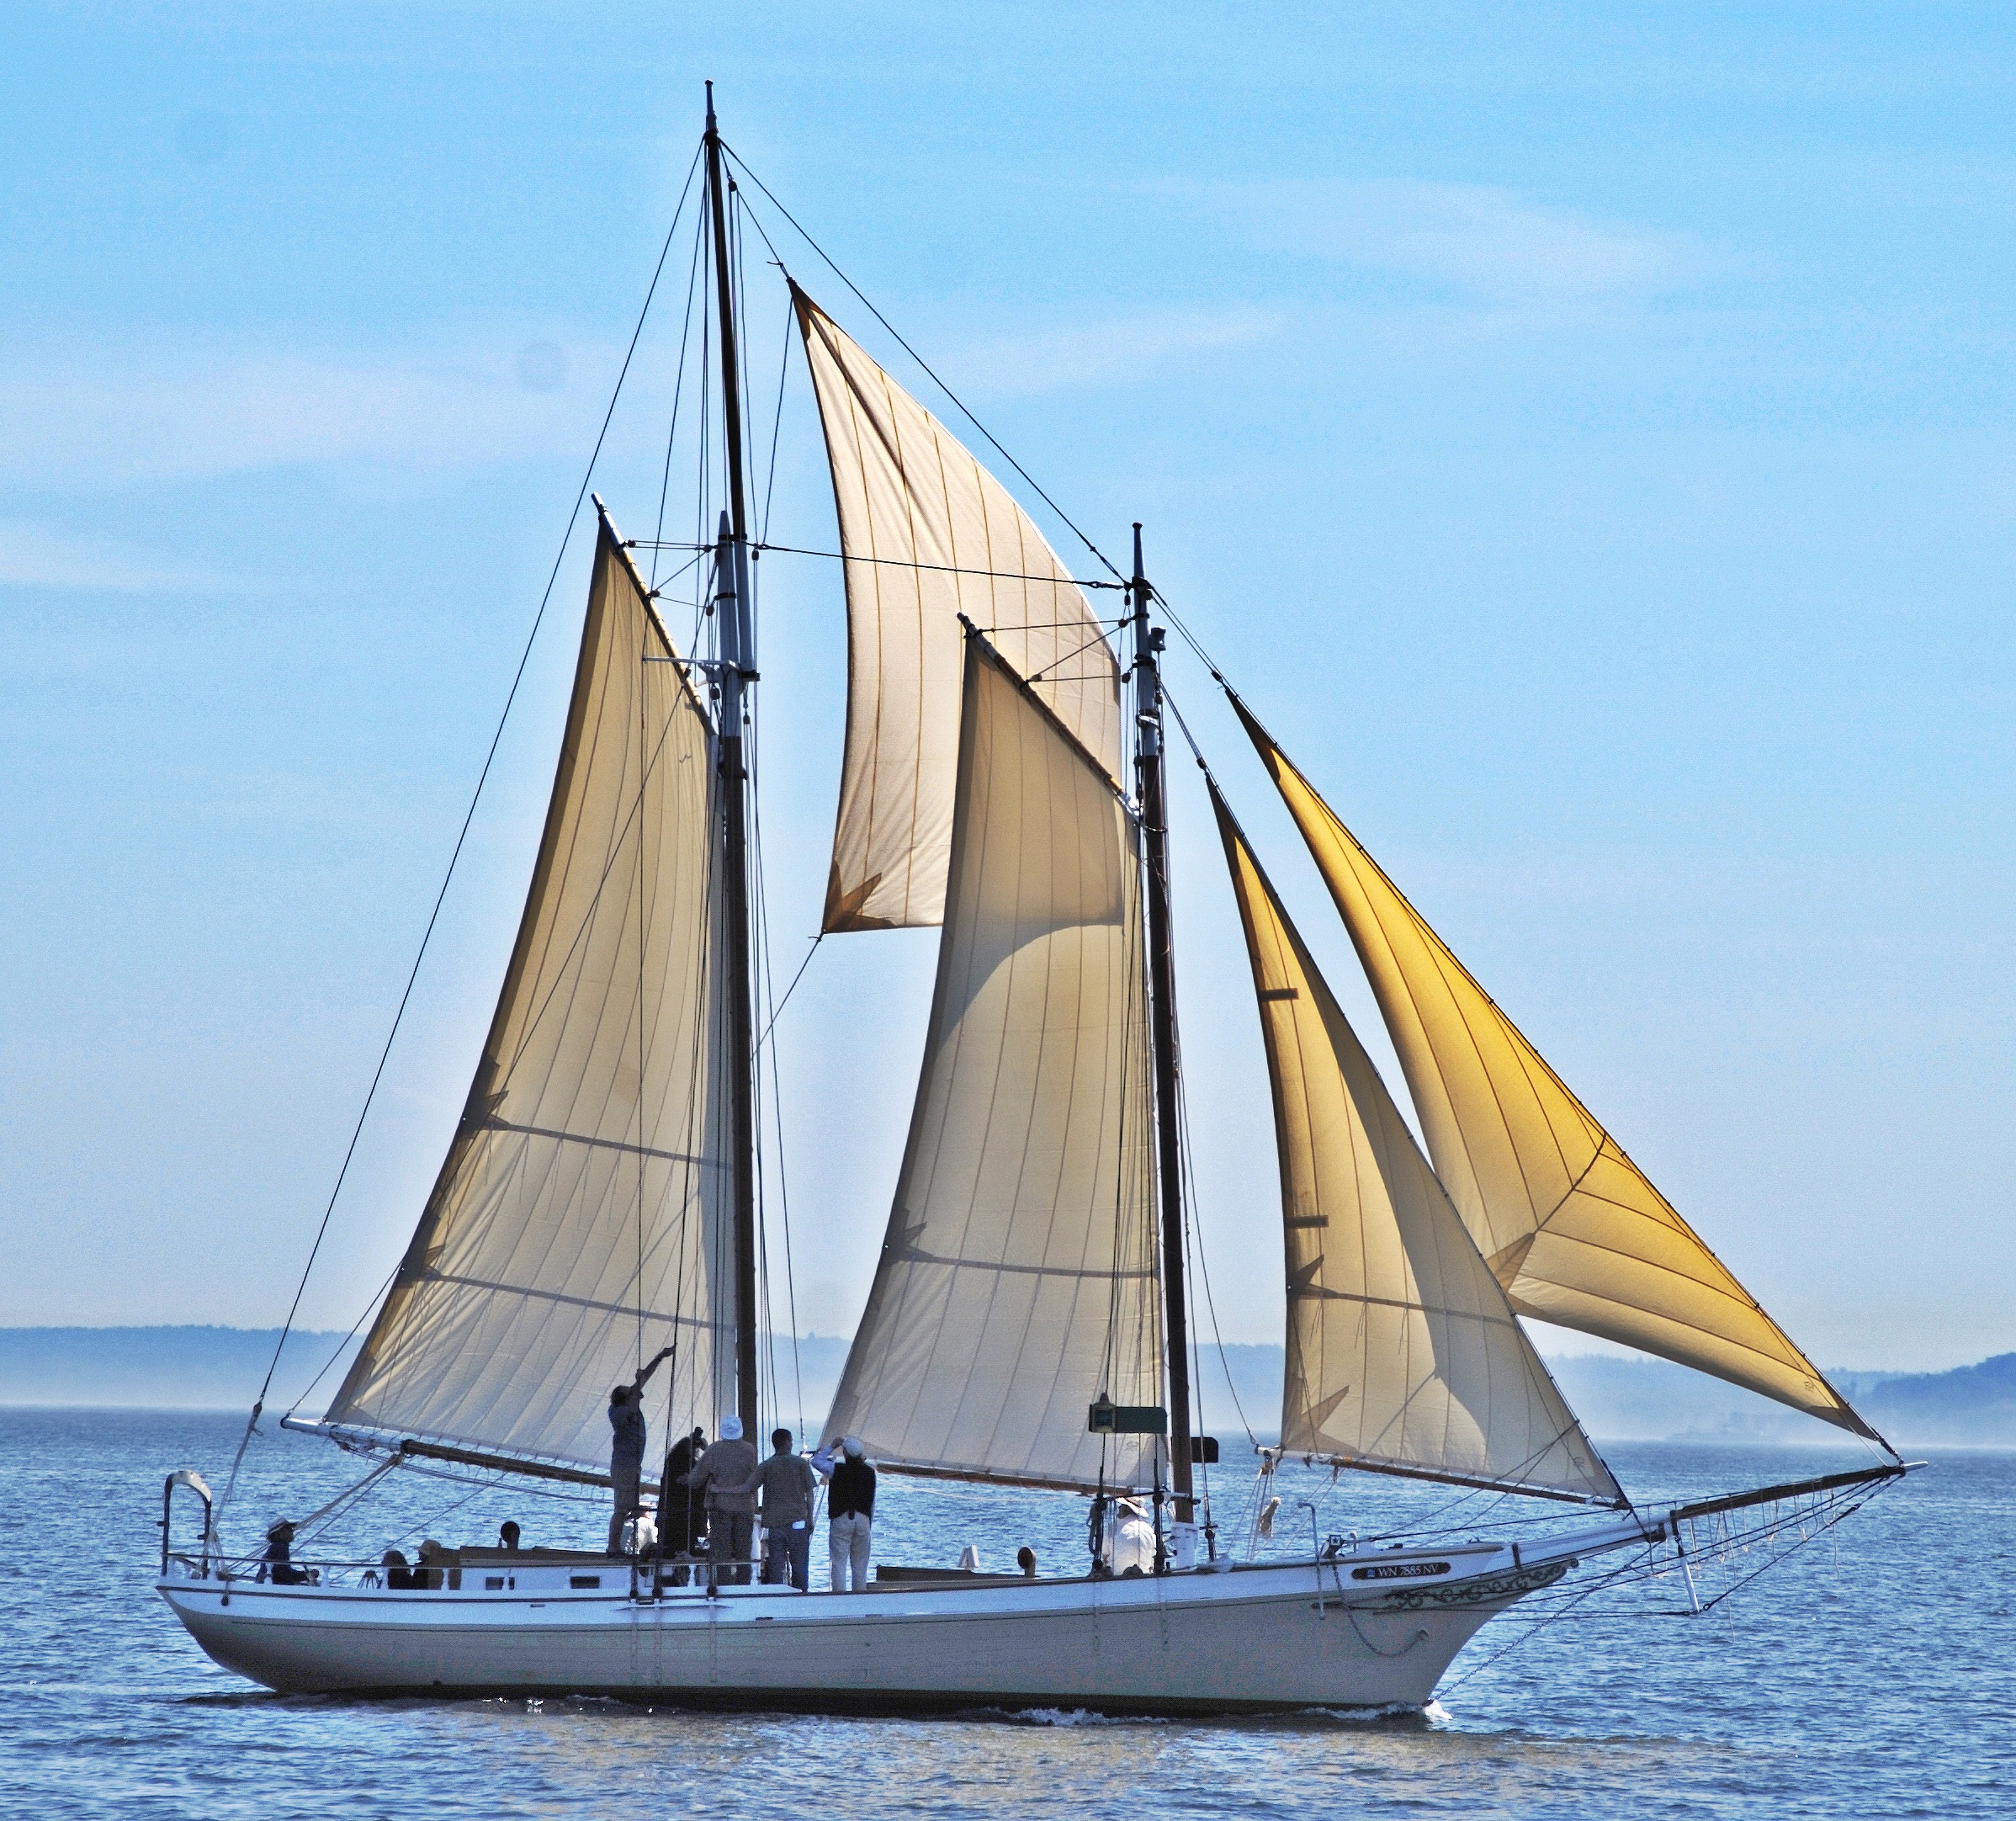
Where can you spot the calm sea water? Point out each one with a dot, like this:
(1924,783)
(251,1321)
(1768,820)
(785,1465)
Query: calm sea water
(1873,1673)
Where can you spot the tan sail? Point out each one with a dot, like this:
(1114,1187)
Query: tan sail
(1403,1352)
(1018,1281)
(929,534)
(1570,1226)
(580,1222)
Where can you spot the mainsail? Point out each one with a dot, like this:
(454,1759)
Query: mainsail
(1403,1353)
(1018,1279)
(1569,1225)
(580,1220)
(928,535)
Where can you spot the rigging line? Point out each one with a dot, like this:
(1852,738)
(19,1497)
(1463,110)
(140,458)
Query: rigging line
(777,1011)
(777,1121)
(377,1296)
(937,569)
(686,330)
(1049,669)
(965,411)
(483,777)
(777,423)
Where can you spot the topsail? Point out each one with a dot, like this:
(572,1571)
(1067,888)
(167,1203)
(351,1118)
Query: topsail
(580,1220)
(929,534)
(1571,1227)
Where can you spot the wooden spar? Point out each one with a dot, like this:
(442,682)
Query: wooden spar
(738,669)
(1162,1020)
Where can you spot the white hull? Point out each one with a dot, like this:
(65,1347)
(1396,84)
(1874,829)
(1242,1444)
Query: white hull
(1371,1630)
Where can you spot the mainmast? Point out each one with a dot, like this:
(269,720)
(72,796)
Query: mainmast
(1162,1026)
(737,669)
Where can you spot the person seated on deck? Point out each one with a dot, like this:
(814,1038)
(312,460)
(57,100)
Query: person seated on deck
(399,1574)
(432,1572)
(277,1565)
(507,1536)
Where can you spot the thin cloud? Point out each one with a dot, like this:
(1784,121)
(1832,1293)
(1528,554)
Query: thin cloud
(1120,351)
(39,556)
(124,413)
(1474,249)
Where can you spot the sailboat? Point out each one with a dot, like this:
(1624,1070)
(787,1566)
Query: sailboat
(1005,778)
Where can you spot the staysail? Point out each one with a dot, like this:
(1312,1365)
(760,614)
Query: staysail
(1018,1279)
(1569,1225)
(580,1220)
(928,535)
(1403,1353)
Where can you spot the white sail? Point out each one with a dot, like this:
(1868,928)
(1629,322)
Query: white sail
(1403,1352)
(1018,1279)
(1572,1227)
(581,1221)
(929,534)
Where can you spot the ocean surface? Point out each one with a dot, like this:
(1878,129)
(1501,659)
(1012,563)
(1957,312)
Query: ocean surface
(1871,1672)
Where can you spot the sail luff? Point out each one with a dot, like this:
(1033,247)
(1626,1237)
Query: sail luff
(1403,1353)
(1573,1230)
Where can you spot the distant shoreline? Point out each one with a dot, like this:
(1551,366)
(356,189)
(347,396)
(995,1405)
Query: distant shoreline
(197,1368)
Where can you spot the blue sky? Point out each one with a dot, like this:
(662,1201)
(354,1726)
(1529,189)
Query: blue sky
(1585,434)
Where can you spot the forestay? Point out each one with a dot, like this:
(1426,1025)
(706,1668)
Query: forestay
(580,1220)
(928,535)
(1018,1282)
(1569,1225)
(1403,1352)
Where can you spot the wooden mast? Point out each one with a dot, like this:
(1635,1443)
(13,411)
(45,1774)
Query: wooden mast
(1162,1023)
(737,669)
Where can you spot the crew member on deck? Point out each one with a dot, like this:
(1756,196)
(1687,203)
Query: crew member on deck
(850,1512)
(725,1470)
(626,1446)
(788,1488)
(682,1516)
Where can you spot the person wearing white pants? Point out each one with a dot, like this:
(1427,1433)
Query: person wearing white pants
(850,1513)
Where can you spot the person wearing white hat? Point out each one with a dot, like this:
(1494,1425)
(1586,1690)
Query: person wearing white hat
(724,1473)
(850,1512)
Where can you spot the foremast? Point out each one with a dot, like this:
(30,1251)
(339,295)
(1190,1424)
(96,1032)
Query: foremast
(1162,1029)
(736,671)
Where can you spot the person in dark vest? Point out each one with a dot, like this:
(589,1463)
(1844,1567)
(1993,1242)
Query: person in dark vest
(627,1439)
(850,1513)
(682,1514)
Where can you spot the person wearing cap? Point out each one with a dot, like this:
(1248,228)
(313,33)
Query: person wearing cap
(787,1487)
(277,1564)
(850,1512)
(723,1474)
(627,1439)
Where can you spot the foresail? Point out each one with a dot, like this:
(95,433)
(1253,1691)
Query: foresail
(1569,1225)
(1018,1279)
(929,534)
(1402,1352)
(580,1221)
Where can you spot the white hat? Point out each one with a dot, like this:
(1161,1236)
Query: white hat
(731,1429)
(852,1445)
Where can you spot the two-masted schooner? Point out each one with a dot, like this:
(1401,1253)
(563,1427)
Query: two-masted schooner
(1004,776)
